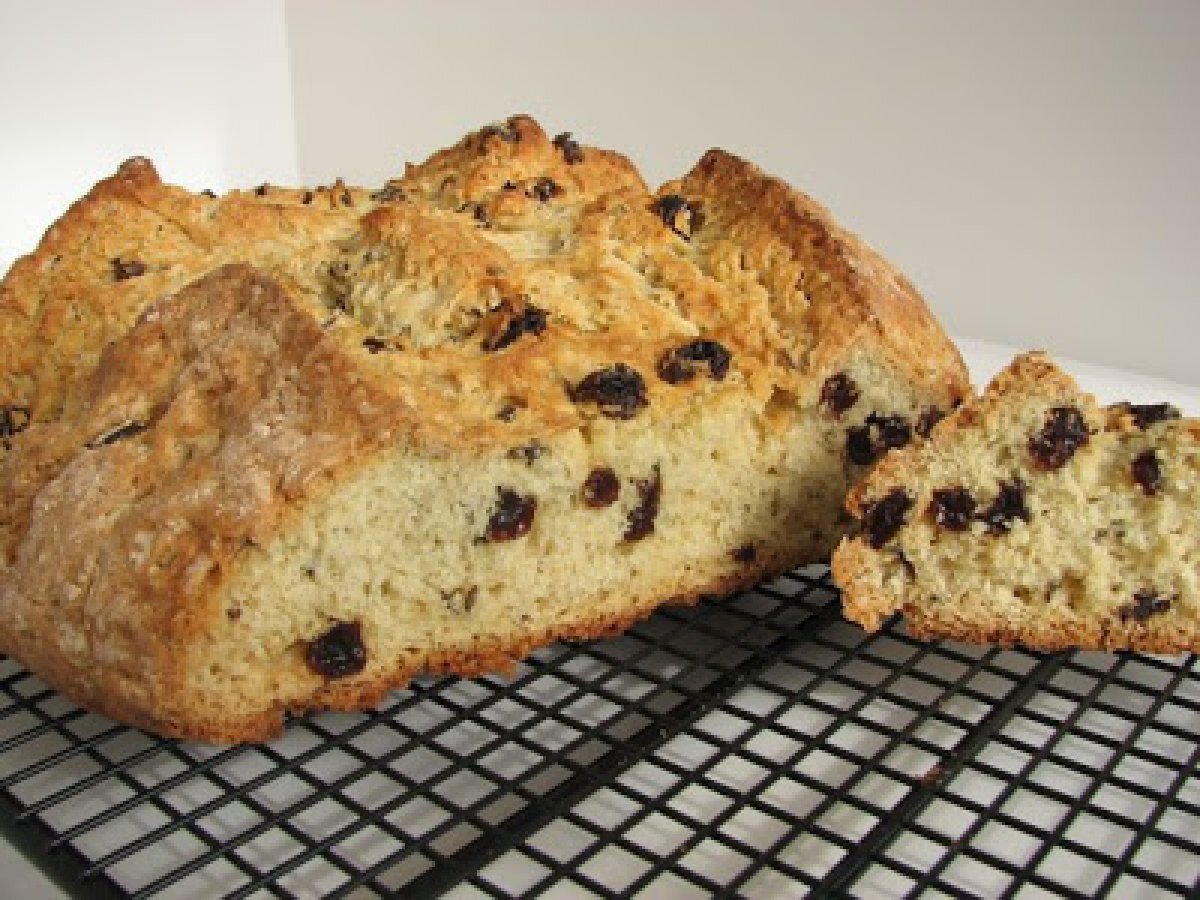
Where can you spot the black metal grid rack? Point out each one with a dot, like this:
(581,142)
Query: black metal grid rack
(756,746)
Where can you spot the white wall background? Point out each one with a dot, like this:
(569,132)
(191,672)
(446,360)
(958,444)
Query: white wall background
(1034,166)
(203,89)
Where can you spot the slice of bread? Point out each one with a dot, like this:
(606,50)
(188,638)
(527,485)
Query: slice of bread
(314,443)
(1035,517)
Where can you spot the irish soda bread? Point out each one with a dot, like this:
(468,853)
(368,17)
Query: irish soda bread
(1033,516)
(283,449)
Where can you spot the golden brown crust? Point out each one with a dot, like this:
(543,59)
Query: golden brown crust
(61,304)
(518,152)
(243,407)
(863,602)
(278,343)
(1150,637)
(854,296)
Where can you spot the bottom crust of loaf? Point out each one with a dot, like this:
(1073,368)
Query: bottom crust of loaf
(963,621)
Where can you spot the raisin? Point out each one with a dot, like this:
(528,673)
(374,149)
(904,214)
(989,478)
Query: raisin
(1146,414)
(306,198)
(480,214)
(1065,432)
(508,186)
(868,442)
(1147,472)
(513,516)
(883,518)
(377,344)
(928,419)
(529,320)
(127,268)
(894,431)
(860,447)
(745,554)
(1145,604)
(529,453)
(642,516)
(507,412)
(338,652)
(680,364)
(618,390)
(678,214)
(669,206)
(1149,414)
(261,190)
(389,193)
(838,394)
(1008,506)
(601,488)
(952,508)
(571,151)
(506,132)
(211,195)
(128,430)
(13,420)
(544,189)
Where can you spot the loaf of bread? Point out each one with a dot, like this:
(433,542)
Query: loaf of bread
(283,449)
(1032,516)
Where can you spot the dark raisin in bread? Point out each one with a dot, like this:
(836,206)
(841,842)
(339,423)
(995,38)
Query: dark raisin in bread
(1035,517)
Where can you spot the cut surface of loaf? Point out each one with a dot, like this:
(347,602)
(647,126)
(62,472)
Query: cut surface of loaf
(284,449)
(1033,516)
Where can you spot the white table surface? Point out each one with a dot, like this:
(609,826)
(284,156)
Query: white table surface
(1108,384)
(19,878)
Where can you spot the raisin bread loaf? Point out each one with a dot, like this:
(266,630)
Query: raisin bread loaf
(284,449)
(1033,516)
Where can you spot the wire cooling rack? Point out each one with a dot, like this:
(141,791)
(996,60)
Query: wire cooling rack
(756,746)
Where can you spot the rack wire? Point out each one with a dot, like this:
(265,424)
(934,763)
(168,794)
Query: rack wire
(754,746)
